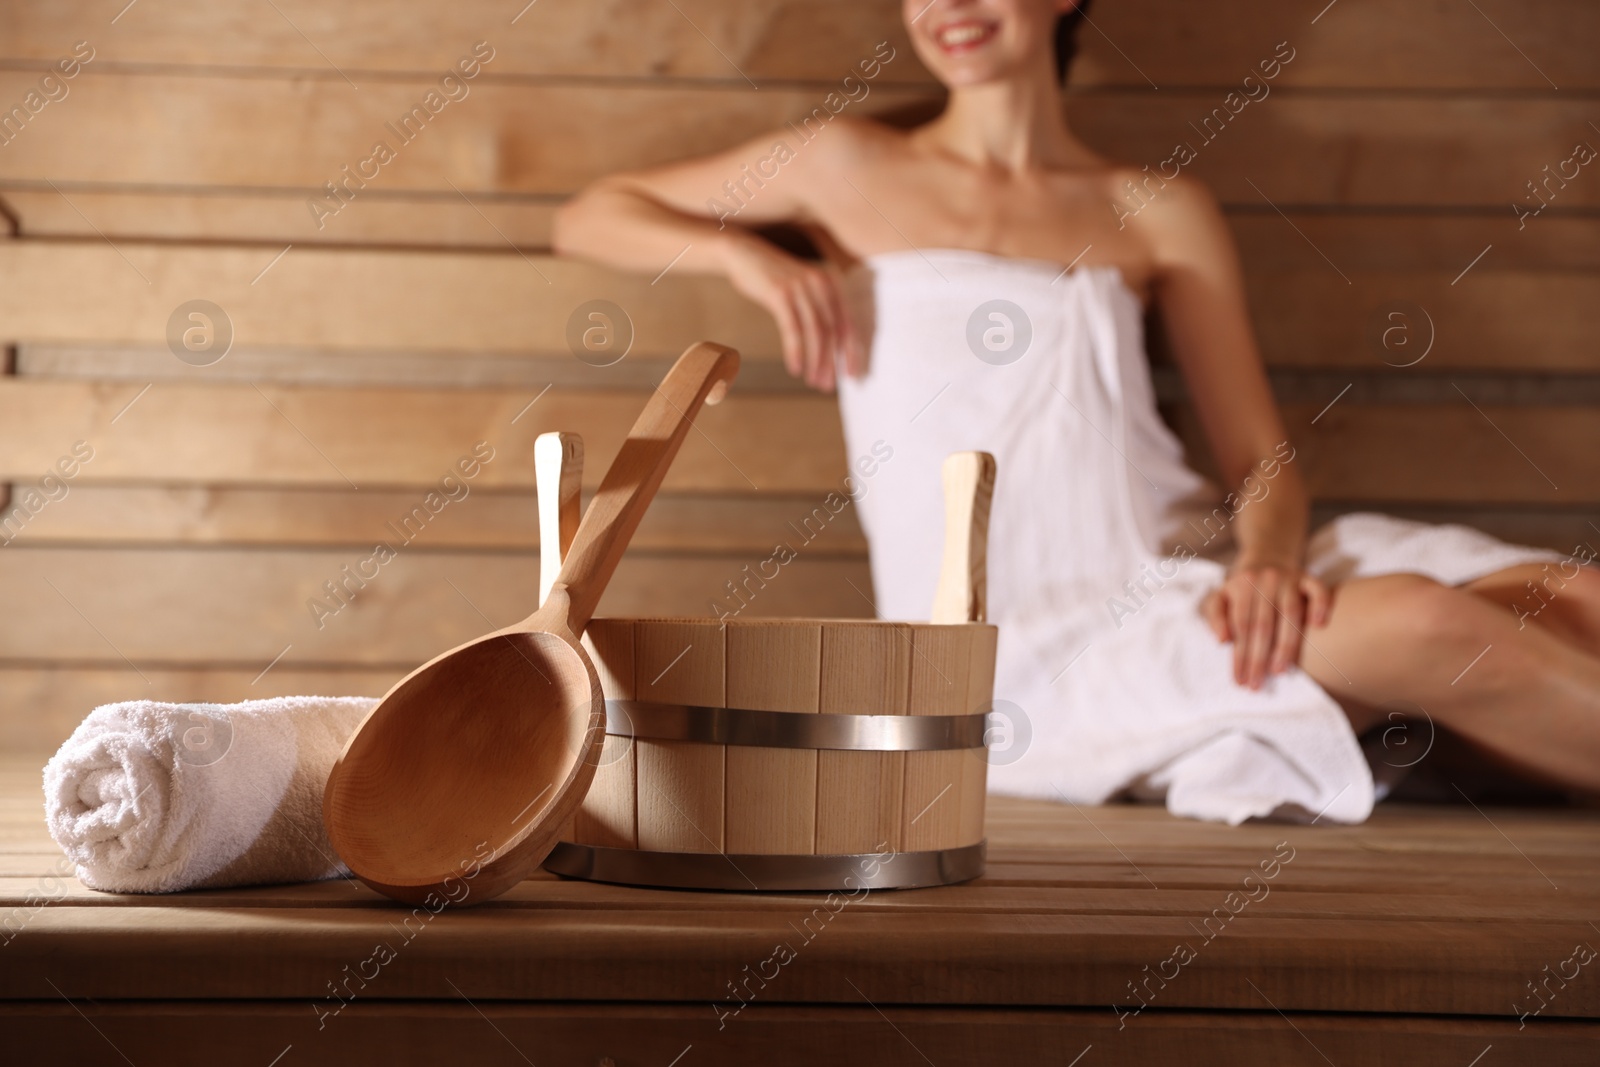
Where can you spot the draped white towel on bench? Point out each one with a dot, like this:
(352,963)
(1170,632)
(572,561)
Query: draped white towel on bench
(147,797)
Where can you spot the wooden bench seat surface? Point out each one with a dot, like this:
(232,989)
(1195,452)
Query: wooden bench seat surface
(1425,920)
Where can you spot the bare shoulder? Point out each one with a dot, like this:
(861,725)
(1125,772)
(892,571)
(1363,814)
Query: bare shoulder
(1178,219)
(845,140)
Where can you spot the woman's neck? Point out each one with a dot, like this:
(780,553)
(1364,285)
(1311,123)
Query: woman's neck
(1014,124)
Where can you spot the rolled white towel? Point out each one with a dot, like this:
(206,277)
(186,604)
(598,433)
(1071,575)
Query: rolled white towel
(151,798)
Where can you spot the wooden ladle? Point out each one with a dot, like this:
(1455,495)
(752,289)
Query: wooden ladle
(457,785)
(963,591)
(558,477)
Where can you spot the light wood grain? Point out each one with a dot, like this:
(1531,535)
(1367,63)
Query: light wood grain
(378,438)
(865,671)
(1405,150)
(941,678)
(1513,136)
(1356,239)
(742,524)
(384,368)
(1515,309)
(1065,918)
(772,792)
(975,762)
(357,299)
(1441,240)
(298,134)
(330,438)
(558,469)
(963,590)
(1458,453)
(1498,319)
(42,703)
(946,789)
(608,815)
(1437,454)
(769,40)
(243,215)
(239,608)
(681,783)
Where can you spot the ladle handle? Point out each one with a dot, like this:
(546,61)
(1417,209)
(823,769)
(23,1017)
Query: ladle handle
(558,473)
(701,375)
(962,594)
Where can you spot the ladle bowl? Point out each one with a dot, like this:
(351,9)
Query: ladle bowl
(461,780)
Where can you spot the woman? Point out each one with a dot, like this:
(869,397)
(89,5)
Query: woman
(984,293)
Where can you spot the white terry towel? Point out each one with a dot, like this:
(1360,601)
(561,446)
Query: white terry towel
(1107,680)
(151,798)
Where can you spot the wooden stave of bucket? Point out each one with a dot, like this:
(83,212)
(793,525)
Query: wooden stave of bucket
(698,814)
(666,810)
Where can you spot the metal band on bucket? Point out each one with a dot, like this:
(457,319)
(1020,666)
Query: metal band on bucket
(749,871)
(790,729)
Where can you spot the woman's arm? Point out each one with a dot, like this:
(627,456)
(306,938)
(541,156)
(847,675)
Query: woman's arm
(644,219)
(1267,598)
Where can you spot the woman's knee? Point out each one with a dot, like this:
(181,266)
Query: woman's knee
(1405,608)
(1386,635)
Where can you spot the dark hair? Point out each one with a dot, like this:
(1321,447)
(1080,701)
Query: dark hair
(1067,38)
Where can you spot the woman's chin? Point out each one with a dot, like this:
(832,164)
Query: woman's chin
(973,69)
(974,75)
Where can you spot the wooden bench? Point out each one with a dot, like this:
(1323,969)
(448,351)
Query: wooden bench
(1117,933)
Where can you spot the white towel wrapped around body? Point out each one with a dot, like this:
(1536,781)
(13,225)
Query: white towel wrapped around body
(146,797)
(1103,544)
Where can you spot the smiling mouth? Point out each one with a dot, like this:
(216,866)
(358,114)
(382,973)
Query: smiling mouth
(965,36)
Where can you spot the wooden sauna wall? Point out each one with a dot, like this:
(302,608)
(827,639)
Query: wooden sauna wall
(372,353)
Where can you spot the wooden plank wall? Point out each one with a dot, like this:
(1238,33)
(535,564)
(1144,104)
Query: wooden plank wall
(374,347)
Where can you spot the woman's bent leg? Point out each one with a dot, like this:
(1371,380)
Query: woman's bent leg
(1563,599)
(1404,642)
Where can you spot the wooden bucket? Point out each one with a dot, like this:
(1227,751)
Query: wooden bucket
(791,754)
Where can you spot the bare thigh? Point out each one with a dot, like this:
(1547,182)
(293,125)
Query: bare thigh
(1527,693)
(1390,640)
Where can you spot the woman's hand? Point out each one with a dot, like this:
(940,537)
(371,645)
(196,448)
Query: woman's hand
(805,299)
(1263,608)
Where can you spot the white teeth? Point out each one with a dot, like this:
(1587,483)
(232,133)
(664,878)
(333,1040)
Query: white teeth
(955,35)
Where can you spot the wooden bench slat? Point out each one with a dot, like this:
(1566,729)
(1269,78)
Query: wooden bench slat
(218,213)
(1520,321)
(1502,904)
(777,1035)
(769,40)
(1415,454)
(1377,148)
(41,703)
(218,515)
(378,438)
(1357,239)
(1391,150)
(239,607)
(299,133)
(365,301)
(132,952)
(1417,45)
(348,299)
(1365,44)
